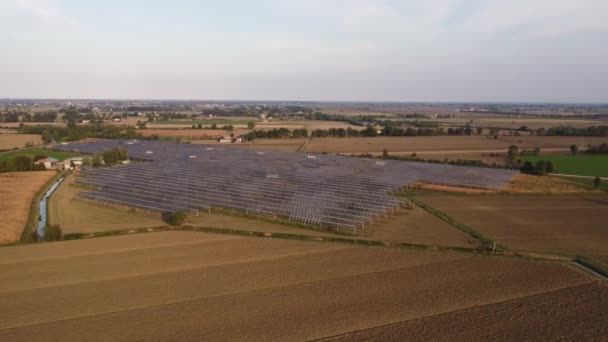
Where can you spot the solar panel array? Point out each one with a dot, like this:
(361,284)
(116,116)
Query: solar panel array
(344,193)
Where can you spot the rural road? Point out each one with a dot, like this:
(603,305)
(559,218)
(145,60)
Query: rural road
(576,176)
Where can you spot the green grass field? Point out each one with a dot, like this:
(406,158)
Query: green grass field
(587,182)
(583,165)
(36,151)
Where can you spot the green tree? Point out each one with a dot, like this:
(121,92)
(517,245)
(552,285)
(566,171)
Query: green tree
(176,218)
(527,167)
(549,167)
(251,125)
(597,181)
(573,149)
(52,233)
(86,162)
(23,163)
(540,168)
(47,137)
(384,153)
(96,161)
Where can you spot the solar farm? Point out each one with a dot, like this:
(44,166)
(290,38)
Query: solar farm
(334,192)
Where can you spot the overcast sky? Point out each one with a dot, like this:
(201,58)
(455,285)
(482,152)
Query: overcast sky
(362,50)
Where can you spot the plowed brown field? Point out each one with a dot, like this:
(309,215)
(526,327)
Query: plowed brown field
(573,314)
(10,141)
(572,224)
(194,286)
(17,190)
(462,144)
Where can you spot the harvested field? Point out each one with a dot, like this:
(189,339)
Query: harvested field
(577,313)
(463,144)
(185,133)
(528,184)
(9,141)
(516,123)
(291,145)
(234,288)
(570,224)
(17,190)
(77,216)
(16,124)
(417,226)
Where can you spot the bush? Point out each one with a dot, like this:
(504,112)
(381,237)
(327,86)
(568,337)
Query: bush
(175,218)
(52,233)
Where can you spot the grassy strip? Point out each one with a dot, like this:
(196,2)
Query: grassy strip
(277,220)
(79,236)
(359,242)
(487,243)
(586,183)
(32,221)
(593,265)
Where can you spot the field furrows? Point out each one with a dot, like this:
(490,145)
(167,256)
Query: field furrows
(573,314)
(45,273)
(256,289)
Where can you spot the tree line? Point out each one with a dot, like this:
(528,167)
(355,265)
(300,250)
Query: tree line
(73,132)
(21,164)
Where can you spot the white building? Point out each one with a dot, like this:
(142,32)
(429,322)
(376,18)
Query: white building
(49,163)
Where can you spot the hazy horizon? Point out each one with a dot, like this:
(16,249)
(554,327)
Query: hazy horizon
(440,51)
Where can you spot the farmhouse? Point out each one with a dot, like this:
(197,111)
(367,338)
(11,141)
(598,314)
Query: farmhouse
(70,164)
(49,163)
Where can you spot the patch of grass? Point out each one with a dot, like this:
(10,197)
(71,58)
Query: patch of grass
(61,156)
(587,183)
(582,164)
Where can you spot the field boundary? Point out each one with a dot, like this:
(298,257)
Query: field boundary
(487,243)
(28,231)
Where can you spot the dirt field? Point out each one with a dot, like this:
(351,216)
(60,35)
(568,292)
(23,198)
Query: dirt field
(571,224)
(185,133)
(579,316)
(235,288)
(461,144)
(417,226)
(77,216)
(515,123)
(527,184)
(9,141)
(17,190)
(16,124)
(291,145)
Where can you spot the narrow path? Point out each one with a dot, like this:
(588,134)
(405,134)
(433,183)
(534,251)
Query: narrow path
(575,176)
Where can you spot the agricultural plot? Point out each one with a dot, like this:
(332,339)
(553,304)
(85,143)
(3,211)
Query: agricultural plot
(461,144)
(8,141)
(194,286)
(76,216)
(17,190)
(569,224)
(329,191)
(579,316)
(59,155)
(184,133)
(582,165)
